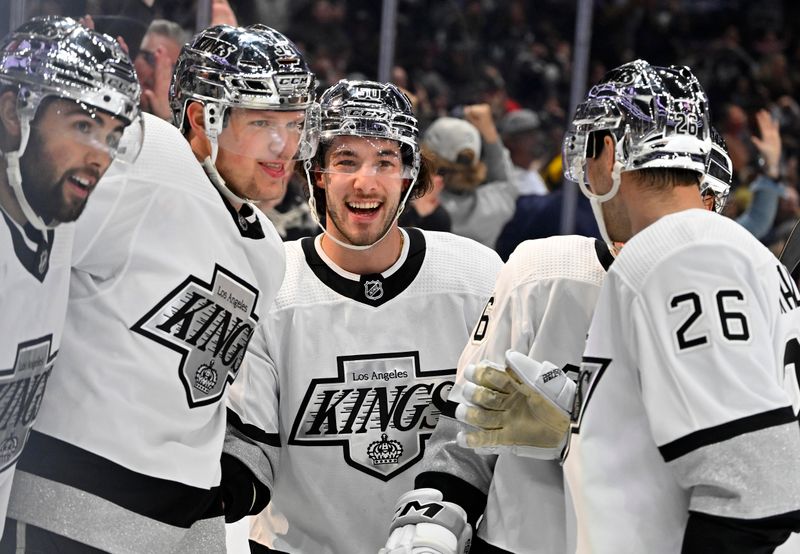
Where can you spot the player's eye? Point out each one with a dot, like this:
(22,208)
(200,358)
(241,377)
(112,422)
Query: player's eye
(82,126)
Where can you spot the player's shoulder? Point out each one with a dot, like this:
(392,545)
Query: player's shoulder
(702,240)
(458,262)
(452,256)
(567,257)
(457,250)
(299,284)
(165,163)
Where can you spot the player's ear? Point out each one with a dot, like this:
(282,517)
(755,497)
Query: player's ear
(196,117)
(9,119)
(319,177)
(607,155)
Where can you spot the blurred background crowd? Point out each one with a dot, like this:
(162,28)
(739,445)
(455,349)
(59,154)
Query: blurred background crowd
(490,80)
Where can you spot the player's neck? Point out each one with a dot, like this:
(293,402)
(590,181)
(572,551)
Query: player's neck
(376,259)
(647,207)
(8,199)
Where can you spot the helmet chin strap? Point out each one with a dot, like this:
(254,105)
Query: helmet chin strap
(312,204)
(219,182)
(14,175)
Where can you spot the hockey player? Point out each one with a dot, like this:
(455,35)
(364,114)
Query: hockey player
(542,305)
(387,310)
(68,107)
(684,423)
(172,270)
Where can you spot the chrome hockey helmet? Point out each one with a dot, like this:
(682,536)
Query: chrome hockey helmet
(658,117)
(371,110)
(252,67)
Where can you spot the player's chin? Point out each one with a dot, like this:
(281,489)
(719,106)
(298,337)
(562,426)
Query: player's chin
(269,190)
(70,211)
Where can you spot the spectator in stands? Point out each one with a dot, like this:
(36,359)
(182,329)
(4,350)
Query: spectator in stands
(479,191)
(521,135)
(155,63)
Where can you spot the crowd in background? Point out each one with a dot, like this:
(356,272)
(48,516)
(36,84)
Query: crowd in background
(516,56)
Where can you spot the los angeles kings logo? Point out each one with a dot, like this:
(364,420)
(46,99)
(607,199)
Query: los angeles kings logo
(381,409)
(21,391)
(209,325)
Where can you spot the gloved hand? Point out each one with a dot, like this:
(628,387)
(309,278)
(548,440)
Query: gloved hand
(523,408)
(425,524)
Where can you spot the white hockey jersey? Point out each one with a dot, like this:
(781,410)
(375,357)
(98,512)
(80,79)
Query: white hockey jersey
(168,282)
(542,306)
(362,366)
(688,394)
(34,284)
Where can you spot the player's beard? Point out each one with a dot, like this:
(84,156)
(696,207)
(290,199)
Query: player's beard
(338,216)
(44,189)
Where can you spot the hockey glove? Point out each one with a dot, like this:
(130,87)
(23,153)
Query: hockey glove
(242,494)
(523,409)
(424,523)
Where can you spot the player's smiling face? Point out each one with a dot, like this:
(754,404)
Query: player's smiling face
(363,181)
(68,150)
(256,151)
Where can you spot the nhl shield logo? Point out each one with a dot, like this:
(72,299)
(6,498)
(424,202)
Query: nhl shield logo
(380,410)
(373,290)
(209,325)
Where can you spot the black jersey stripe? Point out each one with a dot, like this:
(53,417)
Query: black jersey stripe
(392,286)
(712,435)
(455,490)
(163,500)
(480,546)
(604,255)
(253,432)
(710,533)
(36,262)
(258,548)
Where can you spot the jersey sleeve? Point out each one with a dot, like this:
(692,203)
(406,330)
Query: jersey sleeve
(545,317)
(704,331)
(252,435)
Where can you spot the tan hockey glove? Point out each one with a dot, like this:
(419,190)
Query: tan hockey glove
(425,524)
(523,409)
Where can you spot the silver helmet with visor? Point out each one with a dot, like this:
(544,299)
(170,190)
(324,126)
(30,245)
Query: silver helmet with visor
(56,57)
(252,68)
(373,111)
(657,116)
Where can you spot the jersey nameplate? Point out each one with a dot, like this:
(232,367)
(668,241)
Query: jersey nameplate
(209,324)
(381,409)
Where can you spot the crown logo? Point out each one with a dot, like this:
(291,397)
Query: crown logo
(384,451)
(205,378)
(8,447)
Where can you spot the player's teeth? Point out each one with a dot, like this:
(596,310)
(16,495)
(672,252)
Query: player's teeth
(364,205)
(80,181)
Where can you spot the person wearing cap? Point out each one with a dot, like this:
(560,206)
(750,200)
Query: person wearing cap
(479,195)
(520,132)
(172,269)
(348,373)
(61,126)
